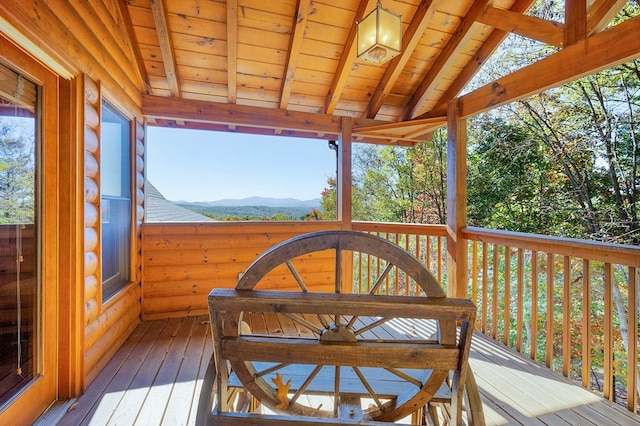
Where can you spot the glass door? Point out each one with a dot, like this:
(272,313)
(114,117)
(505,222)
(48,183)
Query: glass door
(19,247)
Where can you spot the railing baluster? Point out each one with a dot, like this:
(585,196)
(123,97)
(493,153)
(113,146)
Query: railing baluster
(550,302)
(520,298)
(440,260)
(533,350)
(494,300)
(507,296)
(632,355)
(485,284)
(566,317)
(586,323)
(474,272)
(609,382)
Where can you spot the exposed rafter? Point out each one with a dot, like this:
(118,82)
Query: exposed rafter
(346,60)
(135,46)
(548,32)
(601,13)
(409,41)
(232,49)
(488,47)
(166,46)
(303,9)
(457,41)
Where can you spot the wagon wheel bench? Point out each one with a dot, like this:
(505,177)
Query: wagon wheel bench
(341,361)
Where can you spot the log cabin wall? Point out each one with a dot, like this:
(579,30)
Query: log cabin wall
(107,324)
(182,262)
(90,41)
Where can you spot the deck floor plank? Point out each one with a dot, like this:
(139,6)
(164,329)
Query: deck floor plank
(166,378)
(83,409)
(194,362)
(133,398)
(162,364)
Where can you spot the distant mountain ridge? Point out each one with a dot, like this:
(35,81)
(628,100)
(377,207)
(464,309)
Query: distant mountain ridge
(256,201)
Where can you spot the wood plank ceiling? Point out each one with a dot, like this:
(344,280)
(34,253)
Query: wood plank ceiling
(289,67)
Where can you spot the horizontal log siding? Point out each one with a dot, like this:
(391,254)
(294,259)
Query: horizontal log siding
(107,325)
(516,277)
(182,262)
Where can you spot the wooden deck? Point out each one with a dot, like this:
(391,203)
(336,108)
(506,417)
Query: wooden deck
(155,378)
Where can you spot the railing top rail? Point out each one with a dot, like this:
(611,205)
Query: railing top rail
(401,228)
(592,250)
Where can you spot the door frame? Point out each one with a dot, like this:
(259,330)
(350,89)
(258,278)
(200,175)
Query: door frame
(42,391)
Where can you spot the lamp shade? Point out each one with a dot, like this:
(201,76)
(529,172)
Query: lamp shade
(379,36)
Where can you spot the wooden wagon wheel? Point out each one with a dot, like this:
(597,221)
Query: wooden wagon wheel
(418,386)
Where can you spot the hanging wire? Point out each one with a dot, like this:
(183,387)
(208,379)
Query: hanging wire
(18,298)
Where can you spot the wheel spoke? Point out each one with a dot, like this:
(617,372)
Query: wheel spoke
(368,387)
(374,289)
(306,323)
(371,325)
(297,276)
(306,383)
(271,369)
(323,320)
(381,278)
(405,376)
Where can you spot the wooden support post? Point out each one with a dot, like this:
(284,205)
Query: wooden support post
(344,174)
(575,21)
(71,226)
(456,201)
(343,198)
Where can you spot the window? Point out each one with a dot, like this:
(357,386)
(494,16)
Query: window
(115,206)
(19,233)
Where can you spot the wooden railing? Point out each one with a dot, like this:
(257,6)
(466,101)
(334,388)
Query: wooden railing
(567,303)
(511,276)
(531,292)
(425,242)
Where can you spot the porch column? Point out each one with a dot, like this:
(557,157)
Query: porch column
(343,185)
(343,197)
(457,275)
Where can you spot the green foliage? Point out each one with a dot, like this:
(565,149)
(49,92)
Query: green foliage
(259,213)
(17,170)
(396,184)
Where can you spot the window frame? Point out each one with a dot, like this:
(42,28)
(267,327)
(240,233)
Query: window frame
(112,286)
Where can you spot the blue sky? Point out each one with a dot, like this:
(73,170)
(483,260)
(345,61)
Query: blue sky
(197,165)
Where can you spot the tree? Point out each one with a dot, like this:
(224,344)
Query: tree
(17,170)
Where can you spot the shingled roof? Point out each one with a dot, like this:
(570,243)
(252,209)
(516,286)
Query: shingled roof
(159,209)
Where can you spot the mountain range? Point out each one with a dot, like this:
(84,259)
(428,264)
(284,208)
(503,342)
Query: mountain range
(256,201)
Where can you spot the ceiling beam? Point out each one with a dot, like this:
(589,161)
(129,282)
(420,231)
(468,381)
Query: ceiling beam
(457,41)
(601,13)
(303,9)
(410,40)
(135,47)
(160,107)
(232,50)
(548,32)
(166,46)
(346,60)
(217,127)
(611,47)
